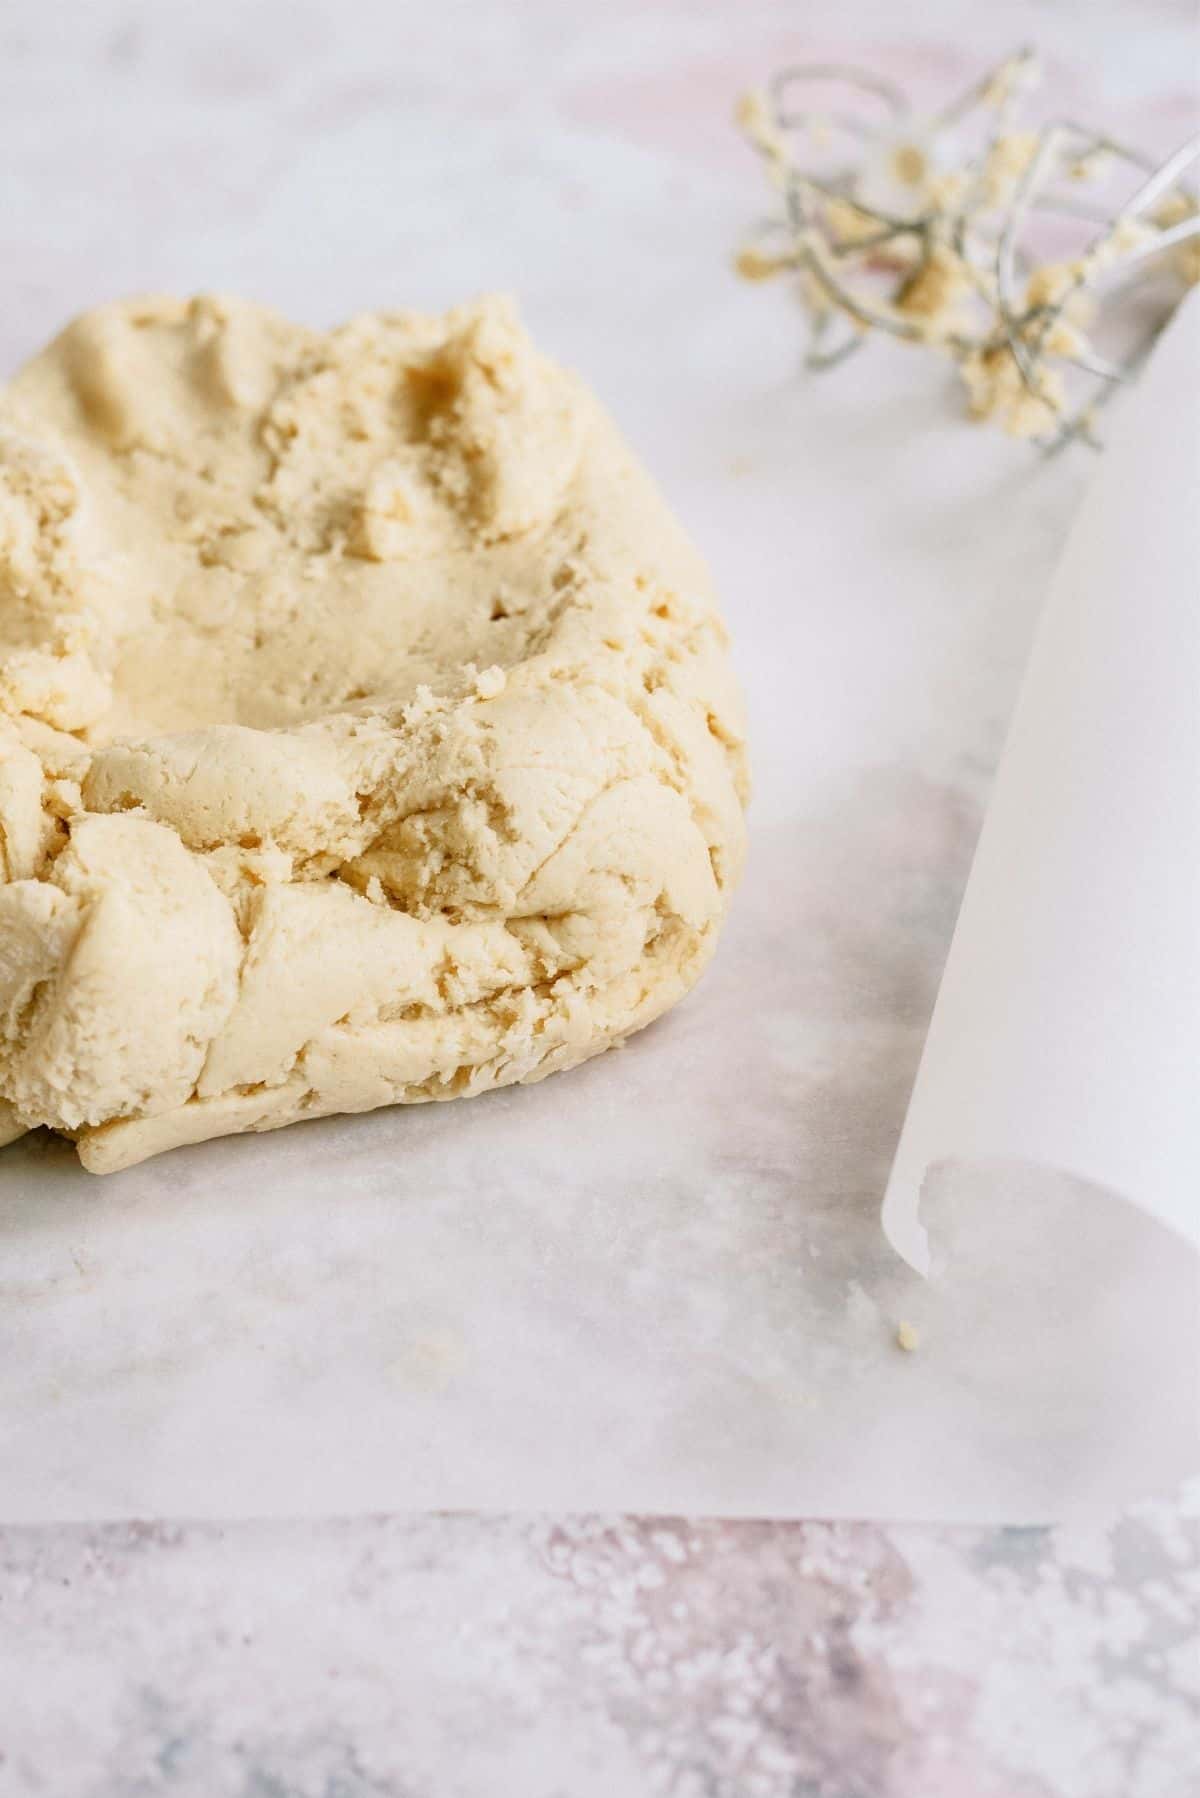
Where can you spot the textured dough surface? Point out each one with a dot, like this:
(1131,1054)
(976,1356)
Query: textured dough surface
(366,728)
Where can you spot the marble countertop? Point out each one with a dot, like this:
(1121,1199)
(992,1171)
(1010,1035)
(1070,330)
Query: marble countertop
(457,1657)
(323,157)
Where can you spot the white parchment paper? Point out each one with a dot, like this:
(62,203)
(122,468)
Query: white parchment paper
(1067,1028)
(659,1283)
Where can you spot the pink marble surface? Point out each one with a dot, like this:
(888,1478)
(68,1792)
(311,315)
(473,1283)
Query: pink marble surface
(466,1657)
(450,1657)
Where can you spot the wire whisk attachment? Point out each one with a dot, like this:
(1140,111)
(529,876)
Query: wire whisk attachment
(1043,260)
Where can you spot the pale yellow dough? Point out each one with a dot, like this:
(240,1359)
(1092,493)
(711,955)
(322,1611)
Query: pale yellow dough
(366,728)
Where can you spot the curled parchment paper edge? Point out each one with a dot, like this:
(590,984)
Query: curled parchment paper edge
(1066,1032)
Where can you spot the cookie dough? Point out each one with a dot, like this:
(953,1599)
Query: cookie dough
(367,733)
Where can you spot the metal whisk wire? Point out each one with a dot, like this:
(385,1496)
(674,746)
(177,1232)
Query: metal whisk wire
(912,230)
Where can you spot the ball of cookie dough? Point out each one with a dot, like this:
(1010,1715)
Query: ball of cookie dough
(367,732)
